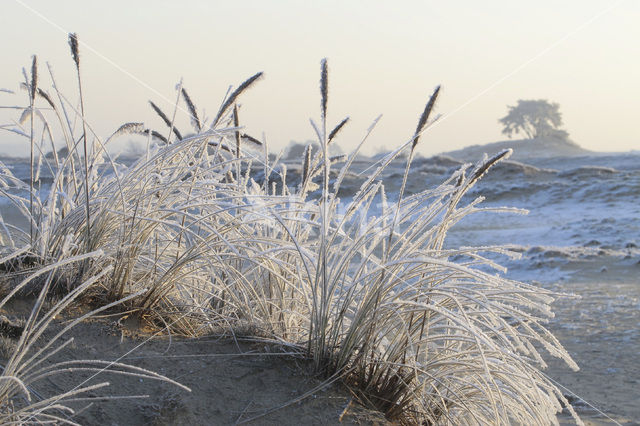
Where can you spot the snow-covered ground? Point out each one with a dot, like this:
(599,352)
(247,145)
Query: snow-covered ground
(581,236)
(579,210)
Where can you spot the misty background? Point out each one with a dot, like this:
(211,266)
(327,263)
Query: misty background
(384,59)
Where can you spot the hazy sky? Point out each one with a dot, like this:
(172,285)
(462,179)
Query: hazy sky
(384,58)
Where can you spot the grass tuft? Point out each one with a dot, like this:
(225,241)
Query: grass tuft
(191,239)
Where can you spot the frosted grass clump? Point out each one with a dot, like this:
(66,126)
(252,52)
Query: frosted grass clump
(422,337)
(197,243)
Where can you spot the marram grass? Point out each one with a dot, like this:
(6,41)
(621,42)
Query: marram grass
(30,360)
(192,239)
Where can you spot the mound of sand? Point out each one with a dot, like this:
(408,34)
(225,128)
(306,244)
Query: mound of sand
(232,380)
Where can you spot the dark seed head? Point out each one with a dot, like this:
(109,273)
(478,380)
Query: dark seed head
(195,120)
(307,163)
(324,86)
(425,116)
(236,123)
(251,139)
(482,168)
(232,98)
(166,120)
(130,128)
(73,43)
(155,135)
(46,97)
(337,129)
(34,78)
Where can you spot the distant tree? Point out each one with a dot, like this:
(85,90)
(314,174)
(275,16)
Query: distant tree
(534,118)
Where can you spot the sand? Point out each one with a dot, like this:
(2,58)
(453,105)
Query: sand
(232,381)
(601,331)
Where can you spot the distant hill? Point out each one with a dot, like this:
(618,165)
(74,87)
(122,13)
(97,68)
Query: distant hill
(522,149)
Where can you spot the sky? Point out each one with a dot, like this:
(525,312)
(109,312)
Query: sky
(384,58)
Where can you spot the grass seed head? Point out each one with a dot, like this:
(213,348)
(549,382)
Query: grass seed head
(166,120)
(251,139)
(236,123)
(485,166)
(195,120)
(155,135)
(324,86)
(425,115)
(232,98)
(128,128)
(337,129)
(34,78)
(307,163)
(44,95)
(75,52)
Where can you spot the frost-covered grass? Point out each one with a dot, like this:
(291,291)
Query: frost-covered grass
(193,241)
(31,357)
